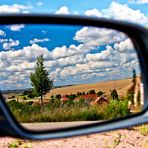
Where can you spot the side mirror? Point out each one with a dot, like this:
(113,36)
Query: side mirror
(63,75)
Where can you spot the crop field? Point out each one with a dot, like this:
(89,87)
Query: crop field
(120,85)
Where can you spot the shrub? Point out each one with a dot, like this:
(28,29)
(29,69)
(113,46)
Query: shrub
(30,93)
(52,97)
(114,94)
(79,94)
(99,93)
(56,111)
(144,129)
(14,105)
(26,110)
(24,98)
(92,91)
(58,96)
(72,97)
(116,109)
(83,93)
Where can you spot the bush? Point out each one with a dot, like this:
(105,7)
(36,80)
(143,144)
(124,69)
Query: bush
(24,98)
(114,94)
(99,93)
(79,94)
(30,93)
(52,97)
(57,111)
(58,96)
(26,110)
(116,109)
(14,105)
(144,129)
(72,97)
(92,91)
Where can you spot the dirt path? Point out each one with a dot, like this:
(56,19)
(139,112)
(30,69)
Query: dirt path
(116,139)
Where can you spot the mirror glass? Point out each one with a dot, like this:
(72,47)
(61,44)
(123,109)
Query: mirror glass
(56,76)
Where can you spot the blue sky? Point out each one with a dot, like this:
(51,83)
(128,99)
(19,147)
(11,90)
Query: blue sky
(73,55)
(46,6)
(54,36)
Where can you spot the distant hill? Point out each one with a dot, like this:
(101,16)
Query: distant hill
(120,85)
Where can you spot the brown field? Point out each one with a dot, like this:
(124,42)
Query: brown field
(120,85)
(10,95)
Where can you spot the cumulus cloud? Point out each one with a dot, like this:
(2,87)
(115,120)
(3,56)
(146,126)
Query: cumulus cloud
(16,27)
(62,10)
(93,12)
(138,1)
(76,67)
(3,40)
(123,12)
(35,40)
(15,8)
(11,43)
(98,36)
(2,33)
(63,51)
(111,59)
(39,3)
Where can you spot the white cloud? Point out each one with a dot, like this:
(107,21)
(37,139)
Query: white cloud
(123,12)
(68,64)
(39,3)
(120,59)
(62,52)
(16,27)
(35,40)
(124,45)
(98,36)
(62,10)
(138,1)
(25,11)
(15,8)
(11,43)
(93,12)
(2,33)
(3,40)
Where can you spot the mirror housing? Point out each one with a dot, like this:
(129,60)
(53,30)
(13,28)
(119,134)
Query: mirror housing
(137,34)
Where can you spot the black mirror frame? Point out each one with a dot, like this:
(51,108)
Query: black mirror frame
(139,35)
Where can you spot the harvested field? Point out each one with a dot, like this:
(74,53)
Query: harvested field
(120,85)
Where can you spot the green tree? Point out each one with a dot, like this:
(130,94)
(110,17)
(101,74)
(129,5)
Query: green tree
(92,91)
(134,77)
(40,80)
(58,96)
(99,93)
(131,91)
(114,94)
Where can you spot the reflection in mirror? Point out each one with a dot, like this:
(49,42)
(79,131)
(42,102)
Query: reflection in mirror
(55,76)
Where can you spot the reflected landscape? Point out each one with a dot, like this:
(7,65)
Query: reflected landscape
(55,76)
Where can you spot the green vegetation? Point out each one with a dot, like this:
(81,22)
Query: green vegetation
(99,93)
(144,129)
(130,92)
(57,111)
(92,91)
(82,106)
(114,94)
(40,80)
(20,143)
(30,93)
